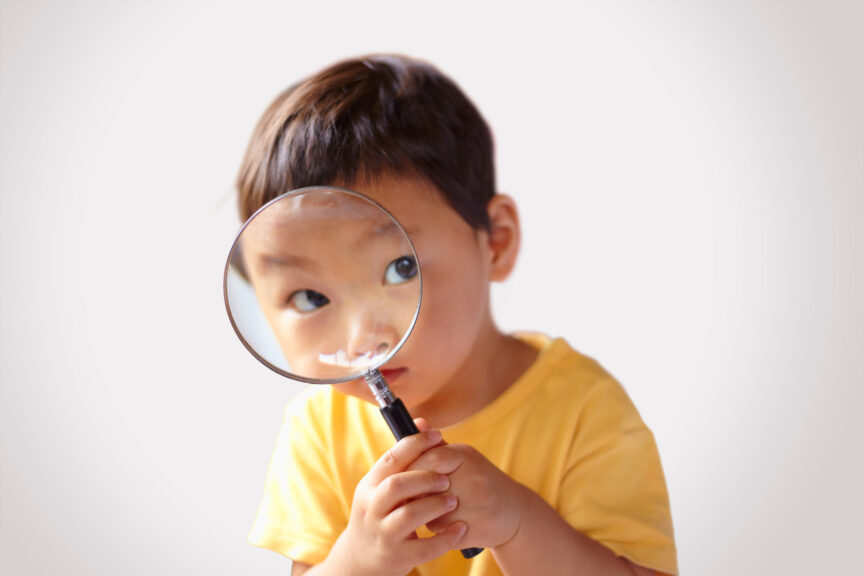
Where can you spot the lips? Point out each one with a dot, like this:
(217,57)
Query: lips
(392,374)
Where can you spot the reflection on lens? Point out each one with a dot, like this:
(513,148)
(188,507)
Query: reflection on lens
(360,363)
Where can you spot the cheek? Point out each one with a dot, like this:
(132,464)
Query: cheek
(454,305)
(298,346)
(303,340)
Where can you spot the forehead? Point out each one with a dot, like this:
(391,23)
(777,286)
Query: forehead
(320,224)
(419,206)
(321,204)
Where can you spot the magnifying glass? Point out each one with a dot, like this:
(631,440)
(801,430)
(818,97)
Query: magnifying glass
(323,285)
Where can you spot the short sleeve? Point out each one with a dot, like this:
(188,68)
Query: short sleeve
(301,514)
(614,490)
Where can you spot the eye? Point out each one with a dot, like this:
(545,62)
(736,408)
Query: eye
(400,270)
(305,301)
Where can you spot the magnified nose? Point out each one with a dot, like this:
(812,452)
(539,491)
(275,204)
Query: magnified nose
(371,338)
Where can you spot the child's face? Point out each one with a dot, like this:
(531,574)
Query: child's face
(454,317)
(322,305)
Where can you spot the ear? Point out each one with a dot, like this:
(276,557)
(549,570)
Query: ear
(503,238)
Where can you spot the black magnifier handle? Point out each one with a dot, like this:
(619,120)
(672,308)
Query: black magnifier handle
(399,421)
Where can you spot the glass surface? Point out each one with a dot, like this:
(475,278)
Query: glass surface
(322,285)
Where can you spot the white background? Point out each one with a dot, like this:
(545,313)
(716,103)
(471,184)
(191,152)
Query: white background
(691,180)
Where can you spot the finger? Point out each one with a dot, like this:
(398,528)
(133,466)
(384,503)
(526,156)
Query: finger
(422,426)
(427,549)
(403,486)
(441,459)
(441,523)
(409,517)
(402,454)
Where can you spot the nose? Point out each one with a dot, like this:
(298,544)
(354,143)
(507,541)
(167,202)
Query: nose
(372,335)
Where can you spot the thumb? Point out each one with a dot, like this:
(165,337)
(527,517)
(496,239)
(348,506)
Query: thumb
(423,426)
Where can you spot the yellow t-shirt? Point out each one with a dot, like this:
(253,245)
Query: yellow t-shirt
(565,428)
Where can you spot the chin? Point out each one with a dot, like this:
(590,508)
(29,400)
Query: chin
(357,388)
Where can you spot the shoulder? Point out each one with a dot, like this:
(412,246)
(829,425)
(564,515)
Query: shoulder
(326,410)
(563,370)
(557,356)
(310,405)
(344,428)
(579,389)
(563,389)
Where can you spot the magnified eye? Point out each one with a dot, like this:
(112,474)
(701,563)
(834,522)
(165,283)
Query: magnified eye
(400,270)
(307,300)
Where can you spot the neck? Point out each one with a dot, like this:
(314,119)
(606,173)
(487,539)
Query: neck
(495,362)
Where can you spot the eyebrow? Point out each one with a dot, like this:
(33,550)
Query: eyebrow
(388,229)
(268,262)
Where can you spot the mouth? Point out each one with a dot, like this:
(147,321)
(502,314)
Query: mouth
(391,375)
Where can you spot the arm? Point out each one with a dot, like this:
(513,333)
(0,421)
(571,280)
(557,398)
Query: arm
(545,544)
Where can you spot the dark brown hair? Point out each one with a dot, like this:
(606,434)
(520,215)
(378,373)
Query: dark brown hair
(366,117)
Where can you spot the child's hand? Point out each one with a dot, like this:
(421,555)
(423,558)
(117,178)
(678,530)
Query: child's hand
(390,503)
(489,500)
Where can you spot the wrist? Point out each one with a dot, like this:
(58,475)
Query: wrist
(341,560)
(349,556)
(519,498)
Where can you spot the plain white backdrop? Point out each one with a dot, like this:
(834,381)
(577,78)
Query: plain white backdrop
(691,181)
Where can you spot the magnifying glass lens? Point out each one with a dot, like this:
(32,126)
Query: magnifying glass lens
(322,285)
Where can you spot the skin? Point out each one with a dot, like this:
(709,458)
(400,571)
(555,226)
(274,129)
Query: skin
(455,363)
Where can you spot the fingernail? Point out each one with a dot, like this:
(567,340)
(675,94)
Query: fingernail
(461,529)
(444,481)
(435,435)
(450,500)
